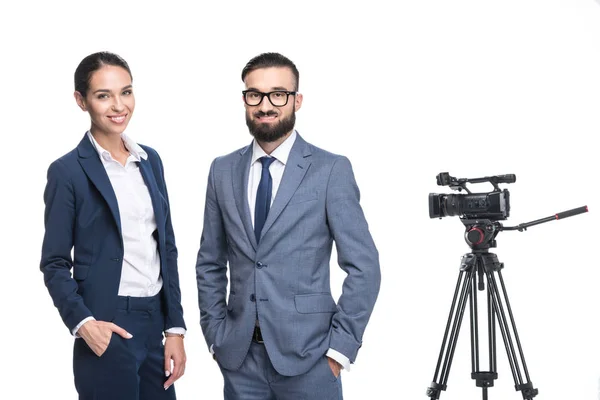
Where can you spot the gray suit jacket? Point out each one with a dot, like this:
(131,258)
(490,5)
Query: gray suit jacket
(284,280)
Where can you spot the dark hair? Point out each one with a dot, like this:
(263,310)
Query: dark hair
(91,64)
(267,60)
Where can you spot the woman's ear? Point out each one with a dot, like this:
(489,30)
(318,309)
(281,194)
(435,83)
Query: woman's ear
(80,100)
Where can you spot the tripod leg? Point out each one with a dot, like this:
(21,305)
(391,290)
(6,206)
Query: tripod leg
(492,332)
(474,325)
(461,293)
(483,379)
(492,265)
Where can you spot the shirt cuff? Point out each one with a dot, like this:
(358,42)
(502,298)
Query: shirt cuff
(340,358)
(177,330)
(211,349)
(79,325)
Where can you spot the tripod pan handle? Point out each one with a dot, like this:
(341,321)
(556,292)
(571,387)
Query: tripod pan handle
(570,213)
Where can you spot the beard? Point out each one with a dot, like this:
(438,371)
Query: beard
(267,132)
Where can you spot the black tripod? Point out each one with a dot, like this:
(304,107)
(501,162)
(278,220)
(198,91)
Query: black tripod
(484,266)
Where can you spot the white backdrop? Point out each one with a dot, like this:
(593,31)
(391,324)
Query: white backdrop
(406,90)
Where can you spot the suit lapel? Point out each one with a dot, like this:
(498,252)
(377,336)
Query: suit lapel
(240,173)
(150,180)
(295,169)
(93,168)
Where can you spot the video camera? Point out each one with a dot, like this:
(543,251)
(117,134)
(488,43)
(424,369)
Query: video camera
(494,205)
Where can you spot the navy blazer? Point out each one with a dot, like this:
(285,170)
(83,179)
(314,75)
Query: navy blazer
(82,214)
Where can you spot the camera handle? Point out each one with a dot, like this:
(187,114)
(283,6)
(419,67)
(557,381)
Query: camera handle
(481,263)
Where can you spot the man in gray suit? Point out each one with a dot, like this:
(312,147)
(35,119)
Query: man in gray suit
(273,210)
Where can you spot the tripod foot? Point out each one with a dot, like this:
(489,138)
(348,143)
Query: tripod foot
(433,392)
(527,390)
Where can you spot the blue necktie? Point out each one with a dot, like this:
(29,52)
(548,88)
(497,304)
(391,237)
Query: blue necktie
(263,196)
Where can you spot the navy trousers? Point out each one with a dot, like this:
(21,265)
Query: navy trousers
(256,379)
(130,369)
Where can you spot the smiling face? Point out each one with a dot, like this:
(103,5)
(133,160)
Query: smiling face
(109,100)
(266,122)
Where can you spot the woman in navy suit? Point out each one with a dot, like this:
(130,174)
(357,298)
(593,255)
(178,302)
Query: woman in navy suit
(107,201)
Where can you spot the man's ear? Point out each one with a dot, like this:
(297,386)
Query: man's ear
(298,101)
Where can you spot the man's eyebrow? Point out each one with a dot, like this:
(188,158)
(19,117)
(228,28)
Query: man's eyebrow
(276,88)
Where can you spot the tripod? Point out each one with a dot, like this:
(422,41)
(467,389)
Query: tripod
(484,266)
(481,264)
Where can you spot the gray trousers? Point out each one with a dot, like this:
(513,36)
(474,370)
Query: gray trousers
(256,379)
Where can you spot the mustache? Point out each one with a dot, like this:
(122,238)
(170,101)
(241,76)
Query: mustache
(269,113)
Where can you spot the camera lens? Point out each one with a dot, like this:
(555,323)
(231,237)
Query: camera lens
(451,205)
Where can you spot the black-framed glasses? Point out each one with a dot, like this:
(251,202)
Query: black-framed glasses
(278,98)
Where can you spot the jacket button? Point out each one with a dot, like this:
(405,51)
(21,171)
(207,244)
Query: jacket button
(260,265)
(252,297)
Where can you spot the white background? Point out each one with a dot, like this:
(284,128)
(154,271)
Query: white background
(405,89)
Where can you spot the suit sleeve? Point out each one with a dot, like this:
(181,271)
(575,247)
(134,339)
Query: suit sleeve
(56,262)
(357,256)
(174,317)
(211,265)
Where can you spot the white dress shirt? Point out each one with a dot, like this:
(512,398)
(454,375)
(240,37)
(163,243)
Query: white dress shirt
(140,271)
(281,155)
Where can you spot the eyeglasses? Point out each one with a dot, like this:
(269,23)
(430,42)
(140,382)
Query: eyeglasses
(278,98)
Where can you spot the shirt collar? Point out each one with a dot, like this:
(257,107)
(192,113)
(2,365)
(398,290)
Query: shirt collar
(134,149)
(281,153)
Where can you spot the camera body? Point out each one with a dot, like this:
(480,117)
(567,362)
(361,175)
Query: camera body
(494,205)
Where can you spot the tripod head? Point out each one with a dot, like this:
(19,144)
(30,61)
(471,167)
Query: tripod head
(480,234)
